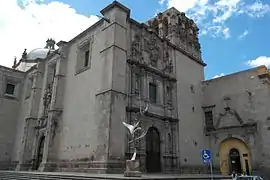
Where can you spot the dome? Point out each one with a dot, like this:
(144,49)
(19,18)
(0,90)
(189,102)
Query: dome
(39,53)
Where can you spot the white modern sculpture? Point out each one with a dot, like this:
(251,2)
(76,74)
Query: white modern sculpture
(133,165)
(134,128)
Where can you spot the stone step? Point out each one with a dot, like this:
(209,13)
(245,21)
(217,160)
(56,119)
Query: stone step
(19,175)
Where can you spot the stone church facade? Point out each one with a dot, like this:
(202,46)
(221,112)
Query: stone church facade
(62,109)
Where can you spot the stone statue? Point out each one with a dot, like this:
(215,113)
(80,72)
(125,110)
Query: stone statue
(47,97)
(14,62)
(50,44)
(134,128)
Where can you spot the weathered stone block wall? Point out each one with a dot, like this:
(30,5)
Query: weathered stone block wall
(78,130)
(9,111)
(189,74)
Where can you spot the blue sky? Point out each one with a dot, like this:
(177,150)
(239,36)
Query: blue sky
(234,33)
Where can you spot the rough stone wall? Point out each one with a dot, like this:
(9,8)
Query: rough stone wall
(78,130)
(189,99)
(9,112)
(247,92)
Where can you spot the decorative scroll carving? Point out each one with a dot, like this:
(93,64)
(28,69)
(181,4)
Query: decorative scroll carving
(153,49)
(231,116)
(168,63)
(172,29)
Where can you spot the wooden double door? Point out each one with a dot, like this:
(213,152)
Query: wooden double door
(153,163)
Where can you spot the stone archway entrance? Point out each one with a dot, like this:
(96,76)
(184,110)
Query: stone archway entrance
(153,163)
(234,157)
(39,154)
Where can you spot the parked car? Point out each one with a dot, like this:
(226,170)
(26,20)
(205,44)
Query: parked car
(248,178)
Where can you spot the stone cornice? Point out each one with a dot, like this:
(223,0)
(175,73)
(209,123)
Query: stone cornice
(152,115)
(3,68)
(115,4)
(248,127)
(152,70)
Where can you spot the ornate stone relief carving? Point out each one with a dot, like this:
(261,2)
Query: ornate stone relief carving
(153,49)
(167,60)
(47,99)
(136,53)
(229,117)
(179,29)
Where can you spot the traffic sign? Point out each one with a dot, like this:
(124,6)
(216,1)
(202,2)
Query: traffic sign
(206,156)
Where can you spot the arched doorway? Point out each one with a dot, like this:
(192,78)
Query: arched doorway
(235,161)
(39,154)
(153,150)
(234,156)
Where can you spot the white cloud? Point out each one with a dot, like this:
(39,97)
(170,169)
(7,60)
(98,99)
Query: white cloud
(28,23)
(211,16)
(226,33)
(262,60)
(161,2)
(244,34)
(186,5)
(219,75)
(256,10)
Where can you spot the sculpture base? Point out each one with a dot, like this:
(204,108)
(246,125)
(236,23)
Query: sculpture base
(132,168)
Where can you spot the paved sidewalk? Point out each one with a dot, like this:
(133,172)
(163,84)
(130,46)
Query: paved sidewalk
(121,176)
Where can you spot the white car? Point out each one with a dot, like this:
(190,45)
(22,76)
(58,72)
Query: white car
(248,178)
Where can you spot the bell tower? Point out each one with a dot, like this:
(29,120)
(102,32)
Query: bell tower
(179,30)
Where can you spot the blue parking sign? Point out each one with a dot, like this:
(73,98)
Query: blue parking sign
(206,156)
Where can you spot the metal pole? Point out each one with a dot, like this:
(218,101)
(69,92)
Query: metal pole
(211,170)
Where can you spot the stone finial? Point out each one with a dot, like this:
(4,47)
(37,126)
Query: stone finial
(24,54)
(14,62)
(50,43)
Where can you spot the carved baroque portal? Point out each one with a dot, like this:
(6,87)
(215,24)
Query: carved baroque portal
(155,49)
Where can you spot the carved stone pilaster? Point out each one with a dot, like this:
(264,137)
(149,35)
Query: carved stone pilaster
(136,51)
(47,99)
